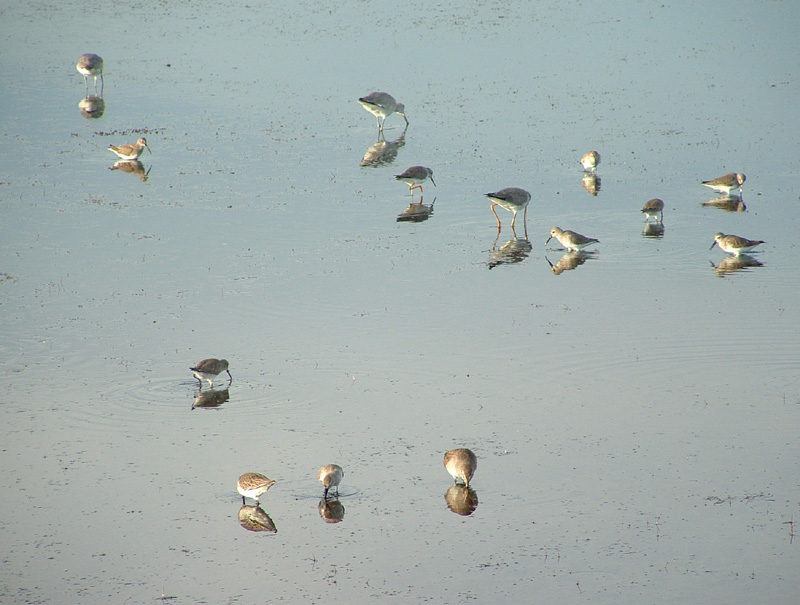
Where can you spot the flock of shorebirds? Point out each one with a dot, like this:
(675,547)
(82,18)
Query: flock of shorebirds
(513,199)
(461,463)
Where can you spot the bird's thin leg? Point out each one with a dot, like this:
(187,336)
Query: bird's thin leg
(242,500)
(230,378)
(495,216)
(513,220)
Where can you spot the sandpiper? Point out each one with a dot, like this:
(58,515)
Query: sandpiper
(209,369)
(91,65)
(726,183)
(733,244)
(590,160)
(654,208)
(330,475)
(461,464)
(253,485)
(382,105)
(415,176)
(130,151)
(570,240)
(512,199)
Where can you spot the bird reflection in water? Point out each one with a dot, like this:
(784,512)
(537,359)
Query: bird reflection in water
(330,510)
(132,167)
(729,203)
(416,213)
(568,262)
(253,518)
(92,106)
(210,399)
(513,251)
(732,264)
(591,182)
(461,499)
(383,151)
(653,230)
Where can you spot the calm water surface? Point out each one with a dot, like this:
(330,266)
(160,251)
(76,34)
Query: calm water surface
(634,412)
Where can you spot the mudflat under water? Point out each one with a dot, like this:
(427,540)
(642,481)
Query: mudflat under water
(633,410)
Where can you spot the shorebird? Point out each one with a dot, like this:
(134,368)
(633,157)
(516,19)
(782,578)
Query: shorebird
(330,475)
(209,369)
(654,208)
(91,65)
(570,240)
(733,244)
(461,464)
(130,151)
(415,176)
(382,105)
(512,199)
(726,183)
(253,485)
(590,160)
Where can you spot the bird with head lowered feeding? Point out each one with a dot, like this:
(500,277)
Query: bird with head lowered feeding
(571,240)
(382,105)
(415,176)
(512,199)
(461,463)
(90,65)
(330,475)
(209,369)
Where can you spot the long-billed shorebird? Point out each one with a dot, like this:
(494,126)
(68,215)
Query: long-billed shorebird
(570,240)
(461,463)
(209,369)
(253,485)
(512,199)
(590,160)
(130,151)
(654,208)
(330,475)
(733,244)
(382,105)
(415,176)
(726,183)
(91,65)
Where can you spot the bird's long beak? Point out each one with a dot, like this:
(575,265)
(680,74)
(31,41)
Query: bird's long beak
(714,244)
(432,181)
(548,241)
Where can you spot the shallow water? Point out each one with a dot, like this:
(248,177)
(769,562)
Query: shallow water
(634,416)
